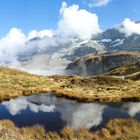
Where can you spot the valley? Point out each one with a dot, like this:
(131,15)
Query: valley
(109,87)
(70,70)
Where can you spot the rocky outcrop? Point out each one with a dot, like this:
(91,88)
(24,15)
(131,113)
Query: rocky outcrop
(113,40)
(132,43)
(84,48)
(100,64)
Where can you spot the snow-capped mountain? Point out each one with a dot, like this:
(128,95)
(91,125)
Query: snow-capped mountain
(55,53)
(113,40)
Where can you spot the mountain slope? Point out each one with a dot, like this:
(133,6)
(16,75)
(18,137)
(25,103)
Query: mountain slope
(114,40)
(56,50)
(55,53)
(103,89)
(100,64)
(130,71)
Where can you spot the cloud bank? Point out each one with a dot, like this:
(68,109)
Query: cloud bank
(98,3)
(54,44)
(73,22)
(41,34)
(129,27)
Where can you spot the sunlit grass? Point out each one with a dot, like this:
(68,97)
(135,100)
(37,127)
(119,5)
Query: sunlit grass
(15,83)
(117,129)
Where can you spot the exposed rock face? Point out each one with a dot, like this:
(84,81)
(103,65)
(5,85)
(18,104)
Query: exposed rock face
(132,43)
(112,34)
(52,58)
(113,41)
(100,64)
(42,55)
(84,48)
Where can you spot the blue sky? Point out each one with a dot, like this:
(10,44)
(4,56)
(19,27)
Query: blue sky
(44,14)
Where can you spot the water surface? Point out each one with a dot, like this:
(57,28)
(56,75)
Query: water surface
(55,113)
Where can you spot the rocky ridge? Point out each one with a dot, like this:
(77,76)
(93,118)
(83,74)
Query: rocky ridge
(100,64)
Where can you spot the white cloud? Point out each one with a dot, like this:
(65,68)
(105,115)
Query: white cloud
(98,3)
(74,22)
(11,44)
(77,22)
(14,38)
(41,34)
(15,42)
(15,46)
(129,27)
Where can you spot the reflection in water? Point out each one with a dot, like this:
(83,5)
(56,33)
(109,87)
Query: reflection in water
(21,103)
(87,115)
(131,108)
(66,112)
(73,113)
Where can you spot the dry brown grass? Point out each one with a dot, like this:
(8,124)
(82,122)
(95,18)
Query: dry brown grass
(125,70)
(117,129)
(15,83)
(35,132)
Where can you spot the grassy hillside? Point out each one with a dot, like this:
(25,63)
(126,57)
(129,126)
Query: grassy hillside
(93,65)
(105,88)
(126,70)
(15,83)
(130,71)
(115,130)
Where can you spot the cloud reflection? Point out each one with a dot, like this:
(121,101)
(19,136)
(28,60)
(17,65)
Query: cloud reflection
(131,108)
(15,106)
(74,114)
